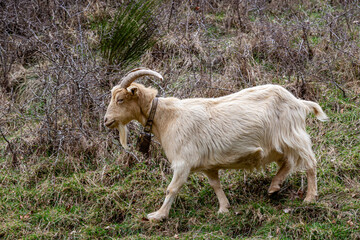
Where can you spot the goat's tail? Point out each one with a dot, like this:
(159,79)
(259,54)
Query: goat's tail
(316,109)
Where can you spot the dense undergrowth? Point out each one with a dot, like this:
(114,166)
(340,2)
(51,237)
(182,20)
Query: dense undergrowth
(62,175)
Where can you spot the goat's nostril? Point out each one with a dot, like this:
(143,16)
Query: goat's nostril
(108,122)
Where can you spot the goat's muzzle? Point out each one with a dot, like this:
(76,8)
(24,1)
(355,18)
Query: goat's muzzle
(108,123)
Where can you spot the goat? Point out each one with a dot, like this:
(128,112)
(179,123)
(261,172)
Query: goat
(244,130)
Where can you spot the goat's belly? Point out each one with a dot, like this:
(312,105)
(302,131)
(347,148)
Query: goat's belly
(251,161)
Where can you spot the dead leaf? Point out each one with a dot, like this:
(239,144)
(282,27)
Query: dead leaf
(350,223)
(300,193)
(68,208)
(287,210)
(25,217)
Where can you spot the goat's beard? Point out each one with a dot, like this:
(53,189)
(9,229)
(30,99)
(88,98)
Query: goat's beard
(123,135)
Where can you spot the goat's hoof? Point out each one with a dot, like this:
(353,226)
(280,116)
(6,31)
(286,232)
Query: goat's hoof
(156,216)
(273,190)
(223,210)
(310,199)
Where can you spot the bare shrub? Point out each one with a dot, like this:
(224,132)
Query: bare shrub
(272,45)
(60,98)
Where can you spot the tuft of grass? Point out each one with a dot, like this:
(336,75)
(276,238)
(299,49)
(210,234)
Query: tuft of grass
(129,34)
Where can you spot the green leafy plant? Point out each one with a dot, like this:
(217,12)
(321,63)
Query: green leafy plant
(129,34)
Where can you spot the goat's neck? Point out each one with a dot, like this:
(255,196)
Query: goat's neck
(144,113)
(160,121)
(145,107)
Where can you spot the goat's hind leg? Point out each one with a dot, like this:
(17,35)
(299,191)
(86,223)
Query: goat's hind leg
(285,169)
(180,176)
(280,177)
(213,176)
(308,157)
(311,193)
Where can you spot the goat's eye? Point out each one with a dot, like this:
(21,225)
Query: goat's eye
(120,101)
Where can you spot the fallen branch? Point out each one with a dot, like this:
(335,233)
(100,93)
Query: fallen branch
(14,158)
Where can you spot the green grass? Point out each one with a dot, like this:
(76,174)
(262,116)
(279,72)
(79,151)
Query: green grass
(129,34)
(112,200)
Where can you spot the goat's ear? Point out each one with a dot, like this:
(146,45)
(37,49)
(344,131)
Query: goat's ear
(132,90)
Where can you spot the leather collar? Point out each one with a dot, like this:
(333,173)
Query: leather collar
(150,120)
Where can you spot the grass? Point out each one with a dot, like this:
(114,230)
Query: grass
(111,200)
(126,37)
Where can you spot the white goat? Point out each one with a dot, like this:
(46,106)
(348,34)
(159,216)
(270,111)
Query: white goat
(244,130)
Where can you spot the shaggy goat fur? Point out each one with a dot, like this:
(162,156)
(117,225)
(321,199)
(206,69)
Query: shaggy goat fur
(244,130)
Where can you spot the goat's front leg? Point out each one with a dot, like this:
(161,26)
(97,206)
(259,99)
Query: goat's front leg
(213,176)
(180,176)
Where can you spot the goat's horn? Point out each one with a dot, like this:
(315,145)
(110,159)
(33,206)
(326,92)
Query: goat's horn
(136,73)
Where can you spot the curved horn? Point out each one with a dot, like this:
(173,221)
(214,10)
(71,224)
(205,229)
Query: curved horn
(136,73)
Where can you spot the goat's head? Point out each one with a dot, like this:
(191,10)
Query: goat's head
(124,103)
